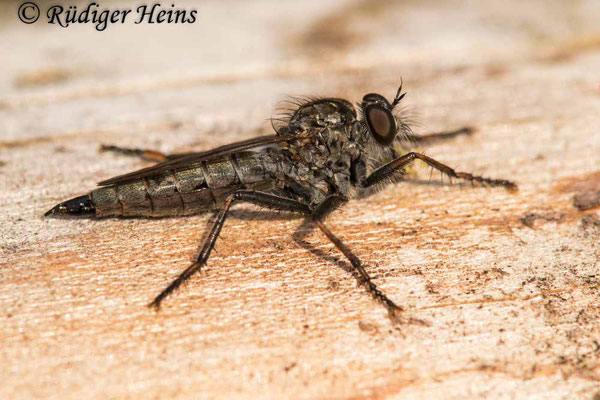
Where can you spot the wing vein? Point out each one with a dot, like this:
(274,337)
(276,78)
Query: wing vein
(193,159)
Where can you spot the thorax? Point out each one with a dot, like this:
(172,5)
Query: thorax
(317,163)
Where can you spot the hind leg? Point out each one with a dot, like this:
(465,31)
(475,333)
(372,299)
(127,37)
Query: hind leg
(144,154)
(261,199)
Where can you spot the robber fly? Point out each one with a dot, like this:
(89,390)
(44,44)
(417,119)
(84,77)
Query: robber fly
(322,154)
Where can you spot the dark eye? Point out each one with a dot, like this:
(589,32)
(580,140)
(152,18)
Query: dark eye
(381,124)
(375,98)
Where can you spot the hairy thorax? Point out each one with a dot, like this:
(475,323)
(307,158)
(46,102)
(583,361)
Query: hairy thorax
(318,162)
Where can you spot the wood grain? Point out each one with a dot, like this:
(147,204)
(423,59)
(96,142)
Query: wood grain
(500,289)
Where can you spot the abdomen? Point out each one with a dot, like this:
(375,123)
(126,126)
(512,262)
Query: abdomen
(197,189)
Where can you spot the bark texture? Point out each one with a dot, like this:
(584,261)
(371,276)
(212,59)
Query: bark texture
(500,289)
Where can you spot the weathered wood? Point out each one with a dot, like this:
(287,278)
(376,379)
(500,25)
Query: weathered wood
(500,289)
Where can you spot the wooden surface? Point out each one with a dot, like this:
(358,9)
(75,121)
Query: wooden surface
(500,290)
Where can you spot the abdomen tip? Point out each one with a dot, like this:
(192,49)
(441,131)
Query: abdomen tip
(79,206)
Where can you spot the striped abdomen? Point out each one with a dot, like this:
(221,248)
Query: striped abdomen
(186,191)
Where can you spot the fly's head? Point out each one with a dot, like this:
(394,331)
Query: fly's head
(383,126)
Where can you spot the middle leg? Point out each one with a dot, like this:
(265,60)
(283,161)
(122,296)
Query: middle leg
(318,215)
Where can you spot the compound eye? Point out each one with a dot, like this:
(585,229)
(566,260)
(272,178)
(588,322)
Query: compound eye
(375,98)
(381,124)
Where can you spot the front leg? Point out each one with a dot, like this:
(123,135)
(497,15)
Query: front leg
(441,136)
(397,166)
